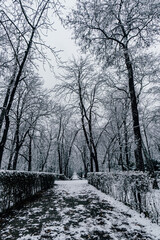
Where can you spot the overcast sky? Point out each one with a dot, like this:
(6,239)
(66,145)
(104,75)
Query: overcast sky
(62,40)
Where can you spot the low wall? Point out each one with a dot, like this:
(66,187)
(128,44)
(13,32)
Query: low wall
(16,187)
(132,188)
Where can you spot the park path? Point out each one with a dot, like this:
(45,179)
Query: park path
(74,210)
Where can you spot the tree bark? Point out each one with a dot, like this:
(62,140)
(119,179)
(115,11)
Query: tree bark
(3,112)
(135,114)
(30,154)
(60,159)
(12,152)
(126,144)
(4,138)
(17,146)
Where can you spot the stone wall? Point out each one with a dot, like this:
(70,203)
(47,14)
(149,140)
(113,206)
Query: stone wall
(135,189)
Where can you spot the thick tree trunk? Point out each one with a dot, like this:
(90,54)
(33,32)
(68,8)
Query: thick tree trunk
(135,114)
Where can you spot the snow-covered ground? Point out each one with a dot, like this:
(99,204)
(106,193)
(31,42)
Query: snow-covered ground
(74,210)
(75,176)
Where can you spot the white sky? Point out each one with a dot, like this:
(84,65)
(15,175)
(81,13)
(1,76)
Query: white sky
(61,39)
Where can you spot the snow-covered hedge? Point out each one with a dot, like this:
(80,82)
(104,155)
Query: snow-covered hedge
(61,177)
(16,187)
(135,189)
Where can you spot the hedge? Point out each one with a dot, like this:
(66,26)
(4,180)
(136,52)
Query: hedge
(15,187)
(134,189)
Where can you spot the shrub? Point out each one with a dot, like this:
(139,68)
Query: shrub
(16,187)
(134,189)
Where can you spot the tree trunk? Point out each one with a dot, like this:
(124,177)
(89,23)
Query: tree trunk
(69,154)
(15,160)
(87,141)
(4,138)
(84,159)
(3,112)
(10,97)
(17,147)
(30,154)
(12,152)
(120,158)
(83,152)
(91,159)
(96,161)
(109,162)
(135,114)
(147,154)
(46,157)
(126,144)
(60,160)
(10,160)
(93,146)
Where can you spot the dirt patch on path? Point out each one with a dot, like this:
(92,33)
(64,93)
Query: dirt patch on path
(72,210)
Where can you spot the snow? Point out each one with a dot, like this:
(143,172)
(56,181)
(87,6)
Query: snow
(137,218)
(75,176)
(135,189)
(79,211)
(28,237)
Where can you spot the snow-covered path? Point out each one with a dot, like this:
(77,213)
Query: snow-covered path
(74,210)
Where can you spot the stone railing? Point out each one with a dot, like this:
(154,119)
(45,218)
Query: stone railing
(15,187)
(134,189)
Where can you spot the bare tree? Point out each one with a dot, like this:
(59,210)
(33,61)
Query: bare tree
(30,106)
(65,137)
(111,29)
(44,145)
(82,84)
(21,26)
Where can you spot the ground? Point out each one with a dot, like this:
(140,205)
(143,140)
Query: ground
(75,210)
